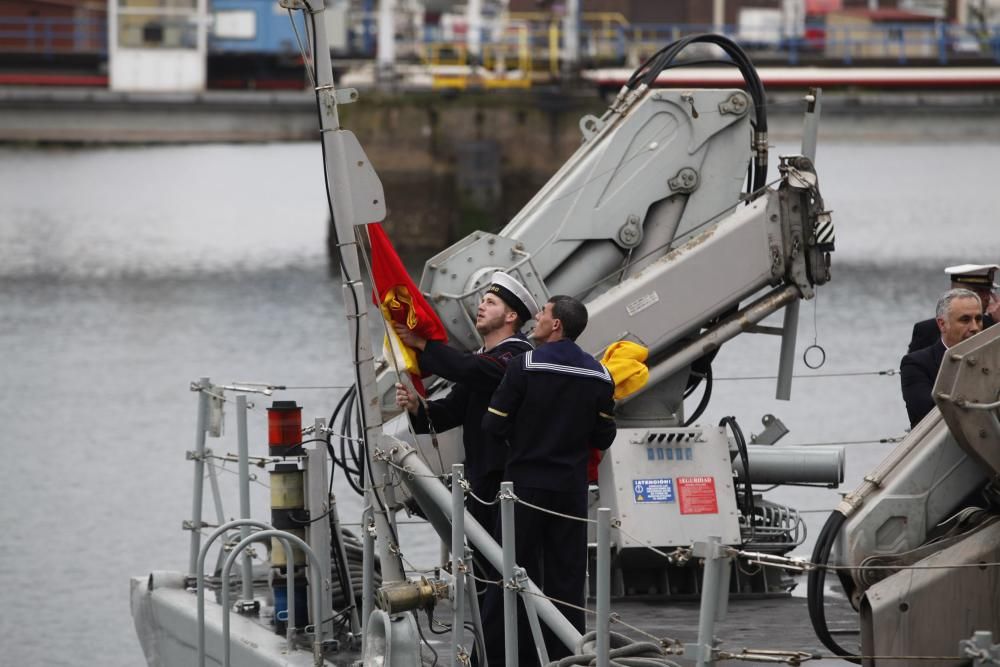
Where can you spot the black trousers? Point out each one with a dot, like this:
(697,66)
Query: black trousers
(553,552)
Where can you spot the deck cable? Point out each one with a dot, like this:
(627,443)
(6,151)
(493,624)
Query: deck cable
(665,645)
(878,441)
(888,372)
(662,644)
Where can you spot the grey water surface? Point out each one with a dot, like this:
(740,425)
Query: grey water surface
(127,273)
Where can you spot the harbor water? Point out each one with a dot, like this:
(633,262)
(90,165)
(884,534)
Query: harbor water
(126,274)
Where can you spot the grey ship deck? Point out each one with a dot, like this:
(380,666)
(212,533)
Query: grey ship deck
(772,623)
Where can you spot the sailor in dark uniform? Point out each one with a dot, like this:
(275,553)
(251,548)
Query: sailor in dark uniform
(553,405)
(505,308)
(978,278)
(959,316)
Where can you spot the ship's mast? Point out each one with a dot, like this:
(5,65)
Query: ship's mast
(355,198)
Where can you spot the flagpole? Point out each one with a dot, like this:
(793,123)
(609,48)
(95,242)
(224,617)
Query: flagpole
(346,165)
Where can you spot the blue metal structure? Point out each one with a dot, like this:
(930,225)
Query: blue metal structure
(273,32)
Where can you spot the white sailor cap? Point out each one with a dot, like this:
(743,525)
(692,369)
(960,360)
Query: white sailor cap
(513,294)
(974,275)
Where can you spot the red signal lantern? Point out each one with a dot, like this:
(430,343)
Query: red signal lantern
(284,427)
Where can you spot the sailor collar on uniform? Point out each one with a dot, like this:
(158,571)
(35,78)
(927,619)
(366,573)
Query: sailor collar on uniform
(517,338)
(567,358)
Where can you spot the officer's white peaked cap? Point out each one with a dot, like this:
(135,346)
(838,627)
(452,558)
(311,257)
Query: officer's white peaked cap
(980,275)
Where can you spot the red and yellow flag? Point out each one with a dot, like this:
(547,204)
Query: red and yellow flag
(401,301)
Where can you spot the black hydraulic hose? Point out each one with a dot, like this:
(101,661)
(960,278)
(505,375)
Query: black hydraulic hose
(815,584)
(342,461)
(741,446)
(345,403)
(647,73)
(347,433)
(338,407)
(346,442)
(340,561)
(706,396)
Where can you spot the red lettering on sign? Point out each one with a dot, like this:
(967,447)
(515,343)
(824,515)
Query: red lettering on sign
(697,495)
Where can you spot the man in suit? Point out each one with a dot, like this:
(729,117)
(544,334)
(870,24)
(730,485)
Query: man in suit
(959,316)
(553,405)
(978,278)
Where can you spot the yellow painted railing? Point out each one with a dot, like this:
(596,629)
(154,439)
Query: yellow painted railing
(505,64)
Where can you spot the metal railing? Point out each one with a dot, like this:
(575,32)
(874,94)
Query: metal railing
(606,37)
(620,42)
(211,399)
(51,36)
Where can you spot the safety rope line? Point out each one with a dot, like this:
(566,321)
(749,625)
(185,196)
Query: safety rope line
(330,432)
(491,582)
(665,642)
(253,478)
(380,455)
(270,386)
(904,567)
(887,372)
(798,657)
(880,441)
(417,570)
(511,496)
(306,58)
(678,554)
(265,388)
(197,386)
(674,646)
(681,555)
(286,387)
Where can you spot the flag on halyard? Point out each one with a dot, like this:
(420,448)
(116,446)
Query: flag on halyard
(401,301)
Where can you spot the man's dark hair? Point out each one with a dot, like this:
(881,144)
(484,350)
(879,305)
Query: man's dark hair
(571,313)
(519,322)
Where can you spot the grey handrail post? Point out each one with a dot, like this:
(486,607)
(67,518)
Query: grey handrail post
(244,463)
(529,610)
(509,594)
(318,503)
(715,560)
(603,585)
(470,582)
(314,580)
(457,562)
(199,574)
(213,483)
(425,485)
(199,472)
(367,570)
(810,130)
